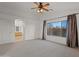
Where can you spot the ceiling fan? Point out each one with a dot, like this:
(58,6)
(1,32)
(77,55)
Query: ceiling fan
(41,7)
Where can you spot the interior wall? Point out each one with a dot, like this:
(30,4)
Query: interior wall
(9,12)
(6,31)
(32,29)
(39,28)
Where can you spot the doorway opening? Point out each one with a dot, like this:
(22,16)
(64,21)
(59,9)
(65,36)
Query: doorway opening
(19,30)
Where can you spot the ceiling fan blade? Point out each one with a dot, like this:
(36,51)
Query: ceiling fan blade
(45,9)
(36,3)
(46,5)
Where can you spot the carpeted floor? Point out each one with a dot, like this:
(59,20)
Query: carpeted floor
(37,48)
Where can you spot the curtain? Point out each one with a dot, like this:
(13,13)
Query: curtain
(43,34)
(72,34)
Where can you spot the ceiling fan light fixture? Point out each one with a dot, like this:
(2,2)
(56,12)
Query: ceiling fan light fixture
(40,10)
(41,7)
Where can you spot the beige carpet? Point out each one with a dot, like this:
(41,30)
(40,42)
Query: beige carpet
(37,48)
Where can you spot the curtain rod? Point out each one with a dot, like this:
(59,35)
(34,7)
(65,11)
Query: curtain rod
(61,16)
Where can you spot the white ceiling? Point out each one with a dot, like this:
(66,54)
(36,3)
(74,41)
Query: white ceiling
(60,6)
(23,9)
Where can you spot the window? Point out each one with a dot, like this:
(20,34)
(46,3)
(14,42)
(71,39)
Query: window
(57,28)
